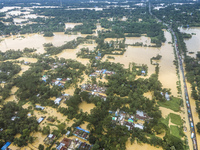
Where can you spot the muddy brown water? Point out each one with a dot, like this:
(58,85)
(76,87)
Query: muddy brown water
(142,55)
(139,55)
(192,44)
(35,41)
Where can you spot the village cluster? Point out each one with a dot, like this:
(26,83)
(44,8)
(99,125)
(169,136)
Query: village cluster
(130,121)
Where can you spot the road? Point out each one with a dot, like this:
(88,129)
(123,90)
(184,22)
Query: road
(180,62)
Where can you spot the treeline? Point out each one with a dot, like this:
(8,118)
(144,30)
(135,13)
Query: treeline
(186,15)
(58,17)
(50,49)
(13,121)
(15,54)
(7,71)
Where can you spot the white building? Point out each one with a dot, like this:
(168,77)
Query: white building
(57,101)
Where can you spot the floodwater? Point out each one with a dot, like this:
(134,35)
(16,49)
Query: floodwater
(142,55)
(192,44)
(139,55)
(71,53)
(148,95)
(86,107)
(35,41)
(12,97)
(143,39)
(137,146)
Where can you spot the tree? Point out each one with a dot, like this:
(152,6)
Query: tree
(46,130)
(41,147)
(198,127)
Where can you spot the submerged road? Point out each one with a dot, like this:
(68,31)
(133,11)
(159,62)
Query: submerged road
(180,62)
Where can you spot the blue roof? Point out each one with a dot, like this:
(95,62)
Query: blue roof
(6,145)
(104,71)
(82,129)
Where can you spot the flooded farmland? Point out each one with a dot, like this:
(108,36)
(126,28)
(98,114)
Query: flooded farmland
(192,44)
(139,55)
(142,55)
(34,41)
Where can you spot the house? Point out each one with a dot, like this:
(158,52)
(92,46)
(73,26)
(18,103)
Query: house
(139,126)
(81,133)
(141,115)
(64,144)
(57,82)
(40,119)
(44,78)
(129,125)
(167,97)
(84,146)
(143,72)
(57,101)
(97,57)
(39,107)
(49,139)
(13,118)
(5,147)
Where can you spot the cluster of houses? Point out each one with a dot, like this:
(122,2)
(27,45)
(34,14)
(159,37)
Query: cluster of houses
(57,81)
(68,144)
(15,117)
(98,57)
(101,72)
(166,95)
(93,88)
(56,65)
(59,99)
(49,139)
(81,133)
(130,121)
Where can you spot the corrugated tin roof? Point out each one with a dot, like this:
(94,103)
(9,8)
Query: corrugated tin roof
(6,145)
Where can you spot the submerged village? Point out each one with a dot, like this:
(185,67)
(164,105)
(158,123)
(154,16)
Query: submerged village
(99,75)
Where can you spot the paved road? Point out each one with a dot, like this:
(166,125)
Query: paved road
(180,61)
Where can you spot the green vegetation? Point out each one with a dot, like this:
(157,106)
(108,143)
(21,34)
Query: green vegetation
(198,127)
(186,35)
(173,104)
(165,121)
(10,54)
(175,131)
(14,120)
(110,57)
(50,49)
(124,89)
(175,119)
(186,15)
(48,34)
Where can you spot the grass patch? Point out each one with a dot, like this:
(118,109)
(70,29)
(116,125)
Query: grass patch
(174,130)
(176,119)
(165,121)
(173,104)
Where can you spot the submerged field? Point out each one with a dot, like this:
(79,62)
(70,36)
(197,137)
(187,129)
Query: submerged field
(96,75)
